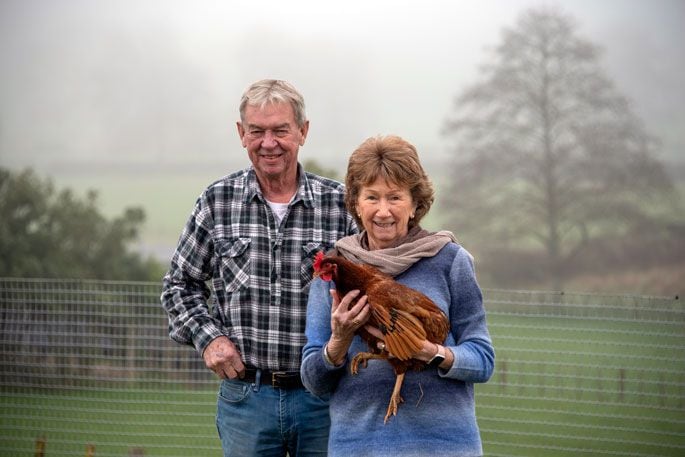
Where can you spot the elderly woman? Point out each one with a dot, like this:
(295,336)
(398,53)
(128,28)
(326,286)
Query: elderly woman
(388,192)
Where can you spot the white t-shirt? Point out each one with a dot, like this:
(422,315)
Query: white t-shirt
(279,210)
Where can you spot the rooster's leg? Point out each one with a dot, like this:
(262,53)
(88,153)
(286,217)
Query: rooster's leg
(363,357)
(396,398)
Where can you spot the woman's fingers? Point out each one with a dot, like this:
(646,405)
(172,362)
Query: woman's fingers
(344,304)
(361,309)
(336,299)
(348,314)
(375,332)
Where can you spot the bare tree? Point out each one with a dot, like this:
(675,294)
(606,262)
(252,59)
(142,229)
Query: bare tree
(547,153)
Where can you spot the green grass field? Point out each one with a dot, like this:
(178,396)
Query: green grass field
(564,386)
(575,386)
(171,423)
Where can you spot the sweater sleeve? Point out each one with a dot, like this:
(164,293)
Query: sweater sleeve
(473,350)
(318,376)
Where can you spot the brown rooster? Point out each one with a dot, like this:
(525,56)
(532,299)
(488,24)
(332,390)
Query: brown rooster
(405,317)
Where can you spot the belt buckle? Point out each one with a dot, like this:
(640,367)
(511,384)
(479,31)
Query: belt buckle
(275,382)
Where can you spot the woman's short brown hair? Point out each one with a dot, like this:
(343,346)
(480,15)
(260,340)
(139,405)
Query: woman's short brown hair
(394,159)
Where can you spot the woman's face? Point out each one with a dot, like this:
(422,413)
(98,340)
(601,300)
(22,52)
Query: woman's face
(385,210)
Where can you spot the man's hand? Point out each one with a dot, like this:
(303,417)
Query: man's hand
(222,357)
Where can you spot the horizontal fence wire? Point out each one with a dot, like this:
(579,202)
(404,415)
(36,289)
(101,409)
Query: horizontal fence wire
(87,366)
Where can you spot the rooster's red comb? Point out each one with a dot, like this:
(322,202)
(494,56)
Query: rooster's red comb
(317,260)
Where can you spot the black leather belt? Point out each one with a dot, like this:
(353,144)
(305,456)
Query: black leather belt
(276,379)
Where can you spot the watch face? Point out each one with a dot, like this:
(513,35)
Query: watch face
(436,360)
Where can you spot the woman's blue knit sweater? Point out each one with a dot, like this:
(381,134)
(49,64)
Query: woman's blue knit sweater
(438,416)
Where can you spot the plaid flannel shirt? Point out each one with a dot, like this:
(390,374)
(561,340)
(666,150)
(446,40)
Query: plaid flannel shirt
(260,271)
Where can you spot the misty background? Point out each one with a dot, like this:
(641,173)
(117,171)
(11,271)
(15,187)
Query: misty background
(158,82)
(122,95)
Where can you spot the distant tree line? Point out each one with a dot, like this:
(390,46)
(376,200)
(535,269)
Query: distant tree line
(51,233)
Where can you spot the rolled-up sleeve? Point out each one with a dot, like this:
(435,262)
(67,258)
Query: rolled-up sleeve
(185,293)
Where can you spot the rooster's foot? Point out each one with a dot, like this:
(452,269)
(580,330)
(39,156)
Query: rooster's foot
(395,401)
(395,398)
(363,358)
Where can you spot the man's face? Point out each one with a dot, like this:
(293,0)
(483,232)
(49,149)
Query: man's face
(272,139)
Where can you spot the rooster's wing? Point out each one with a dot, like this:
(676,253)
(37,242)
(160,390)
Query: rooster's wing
(406,317)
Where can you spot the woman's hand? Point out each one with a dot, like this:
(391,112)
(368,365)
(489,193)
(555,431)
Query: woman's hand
(346,318)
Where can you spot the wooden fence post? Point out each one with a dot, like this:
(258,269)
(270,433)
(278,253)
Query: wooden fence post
(40,446)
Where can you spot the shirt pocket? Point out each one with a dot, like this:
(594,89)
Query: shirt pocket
(309,251)
(234,263)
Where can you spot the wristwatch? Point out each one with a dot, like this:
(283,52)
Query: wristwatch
(437,358)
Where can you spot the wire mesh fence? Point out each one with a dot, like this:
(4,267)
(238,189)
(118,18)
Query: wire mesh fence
(87,368)
(90,363)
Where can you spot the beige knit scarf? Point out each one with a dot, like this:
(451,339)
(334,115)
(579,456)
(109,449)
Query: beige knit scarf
(397,258)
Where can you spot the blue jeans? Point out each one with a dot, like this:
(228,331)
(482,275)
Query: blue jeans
(261,421)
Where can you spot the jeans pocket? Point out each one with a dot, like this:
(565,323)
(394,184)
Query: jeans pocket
(234,391)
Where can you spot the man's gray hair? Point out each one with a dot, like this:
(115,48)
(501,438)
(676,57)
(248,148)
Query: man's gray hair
(268,91)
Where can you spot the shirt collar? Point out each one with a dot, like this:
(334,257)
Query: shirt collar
(304,190)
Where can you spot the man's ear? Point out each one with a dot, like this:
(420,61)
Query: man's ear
(303,132)
(241,133)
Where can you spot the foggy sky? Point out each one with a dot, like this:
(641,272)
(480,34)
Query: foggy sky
(139,82)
